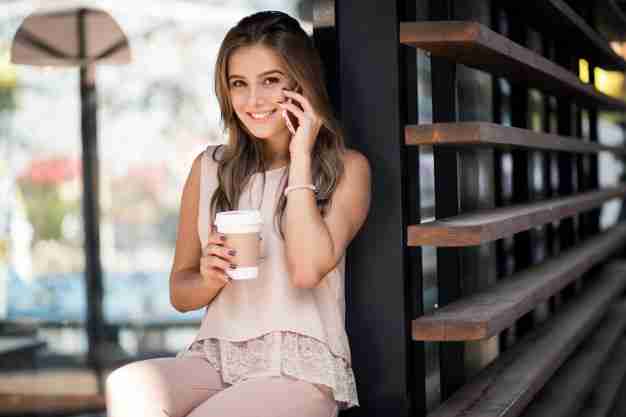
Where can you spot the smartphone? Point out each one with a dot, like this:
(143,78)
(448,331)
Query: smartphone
(291,120)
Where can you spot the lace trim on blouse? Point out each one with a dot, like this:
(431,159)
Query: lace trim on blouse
(277,353)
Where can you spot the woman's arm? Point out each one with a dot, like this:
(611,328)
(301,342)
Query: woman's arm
(314,245)
(188,290)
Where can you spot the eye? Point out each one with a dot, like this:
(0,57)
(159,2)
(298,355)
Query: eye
(237,83)
(271,80)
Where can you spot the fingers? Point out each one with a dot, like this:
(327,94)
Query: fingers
(220,263)
(215,237)
(293,109)
(223,252)
(300,99)
(208,270)
(290,126)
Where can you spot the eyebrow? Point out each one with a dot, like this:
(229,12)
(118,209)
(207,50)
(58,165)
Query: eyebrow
(260,75)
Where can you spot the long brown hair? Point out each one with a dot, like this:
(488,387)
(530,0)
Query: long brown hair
(243,156)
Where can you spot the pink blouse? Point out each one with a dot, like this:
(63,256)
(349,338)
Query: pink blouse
(313,347)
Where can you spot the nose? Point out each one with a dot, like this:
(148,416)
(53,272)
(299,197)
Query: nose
(255,97)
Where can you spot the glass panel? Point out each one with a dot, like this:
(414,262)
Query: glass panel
(427,207)
(42,214)
(611,168)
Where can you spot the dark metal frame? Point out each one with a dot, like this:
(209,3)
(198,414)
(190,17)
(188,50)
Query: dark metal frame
(447,202)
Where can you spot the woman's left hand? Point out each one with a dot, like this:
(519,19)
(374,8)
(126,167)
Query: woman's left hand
(309,123)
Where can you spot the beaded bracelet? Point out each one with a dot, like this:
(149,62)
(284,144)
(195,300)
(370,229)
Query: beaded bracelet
(294,187)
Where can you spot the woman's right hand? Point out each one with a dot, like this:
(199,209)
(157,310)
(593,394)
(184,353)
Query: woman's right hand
(216,258)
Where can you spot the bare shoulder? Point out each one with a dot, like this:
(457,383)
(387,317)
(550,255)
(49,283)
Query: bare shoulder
(356,180)
(191,189)
(196,166)
(211,152)
(356,163)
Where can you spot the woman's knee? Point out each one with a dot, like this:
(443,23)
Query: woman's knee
(148,376)
(124,375)
(137,386)
(162,386)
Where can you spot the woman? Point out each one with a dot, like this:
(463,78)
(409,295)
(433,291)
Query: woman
(276,345)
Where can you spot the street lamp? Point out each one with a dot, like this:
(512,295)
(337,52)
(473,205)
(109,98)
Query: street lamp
(80,37)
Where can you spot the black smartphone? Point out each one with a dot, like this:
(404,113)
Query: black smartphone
(290,119)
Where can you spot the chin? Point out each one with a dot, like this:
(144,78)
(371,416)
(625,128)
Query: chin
(264,133)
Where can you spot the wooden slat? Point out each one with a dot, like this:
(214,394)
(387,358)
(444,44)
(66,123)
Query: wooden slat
(608,383)
(50,391)
(490,134)
(477,46)
(506,386)
(617,410)
(486,225)
(563,23)
(617,12)
(15,405)
(566,391)
(485,314)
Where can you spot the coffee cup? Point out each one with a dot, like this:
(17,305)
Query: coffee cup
(242,229)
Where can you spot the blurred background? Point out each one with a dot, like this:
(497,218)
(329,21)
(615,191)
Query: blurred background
(154,116)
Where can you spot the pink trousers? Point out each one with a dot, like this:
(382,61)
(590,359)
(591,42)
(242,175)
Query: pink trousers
(189,386)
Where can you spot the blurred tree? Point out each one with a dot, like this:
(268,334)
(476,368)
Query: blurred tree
(46,209)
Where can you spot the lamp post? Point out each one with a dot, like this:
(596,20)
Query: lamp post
(80,37)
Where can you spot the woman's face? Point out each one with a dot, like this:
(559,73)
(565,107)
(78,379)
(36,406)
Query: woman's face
(256,78)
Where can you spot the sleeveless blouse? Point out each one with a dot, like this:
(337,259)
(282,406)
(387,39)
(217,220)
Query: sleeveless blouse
(266,326)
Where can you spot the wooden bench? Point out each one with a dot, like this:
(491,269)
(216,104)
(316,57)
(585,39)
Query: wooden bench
(507,385)
(52,390)
(13,405)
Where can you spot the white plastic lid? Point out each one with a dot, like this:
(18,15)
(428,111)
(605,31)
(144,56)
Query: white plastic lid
(238,221)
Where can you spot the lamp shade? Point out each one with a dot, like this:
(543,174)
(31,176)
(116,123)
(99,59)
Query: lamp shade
(70,37)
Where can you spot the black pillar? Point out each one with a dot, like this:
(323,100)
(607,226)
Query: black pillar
(378,314)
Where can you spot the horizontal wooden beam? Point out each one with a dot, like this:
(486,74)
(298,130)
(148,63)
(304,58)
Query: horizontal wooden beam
(486,225)
(559,21)
(491,134)
(566,391)
(26,404)
(616,11)
(477,46)
(486,313)
(620,402)
(607,384)
(507,385)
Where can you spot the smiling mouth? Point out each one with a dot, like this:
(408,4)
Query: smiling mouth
(261,115)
